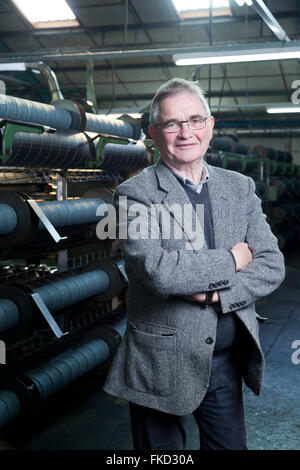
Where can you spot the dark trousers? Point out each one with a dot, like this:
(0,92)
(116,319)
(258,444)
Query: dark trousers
(220,416)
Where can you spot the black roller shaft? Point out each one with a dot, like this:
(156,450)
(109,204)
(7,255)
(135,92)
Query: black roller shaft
(59,150)
(129,157)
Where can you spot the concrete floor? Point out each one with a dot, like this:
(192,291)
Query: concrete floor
(82,417)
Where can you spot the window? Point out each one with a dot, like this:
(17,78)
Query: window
(47,14)
(189,9)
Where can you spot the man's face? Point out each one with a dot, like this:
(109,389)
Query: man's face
(185,146)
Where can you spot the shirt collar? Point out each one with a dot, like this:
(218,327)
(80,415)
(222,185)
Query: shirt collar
(189,183)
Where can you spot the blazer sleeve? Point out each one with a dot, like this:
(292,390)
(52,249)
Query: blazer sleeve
(266,271)
(166,273)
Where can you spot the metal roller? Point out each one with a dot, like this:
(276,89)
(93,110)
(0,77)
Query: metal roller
(10,406)
(214,158)
(285,212)
(290,187)
(9,314)
(71,212)
(101,280)
(250,163)
(241,148)
(232,161)
(56,296)
(23,223)
(264,152)
(282,156)
(261,188)
(20,393)
(54,376)
(73,289)
(51,150)
(219,143)
(126,158)
(17,109)
(273,154)
(8,219)
(65,116)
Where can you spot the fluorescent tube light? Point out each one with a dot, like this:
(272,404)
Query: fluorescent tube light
(183,5)
(283,109)
(228,55)
(44,12)
(191,9)
(19,66)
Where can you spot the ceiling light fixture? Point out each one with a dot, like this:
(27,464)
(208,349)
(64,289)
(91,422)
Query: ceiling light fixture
(44,14)
(19,66)
(244,53)
(283,109)
(183,5)
(191,9)
(241,3)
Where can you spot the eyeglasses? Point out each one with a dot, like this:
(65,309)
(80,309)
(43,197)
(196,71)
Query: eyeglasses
(174,126)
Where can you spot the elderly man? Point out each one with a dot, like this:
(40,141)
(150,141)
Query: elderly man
(192,332)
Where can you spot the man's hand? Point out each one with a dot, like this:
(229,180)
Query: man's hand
(242,255)
(201,296)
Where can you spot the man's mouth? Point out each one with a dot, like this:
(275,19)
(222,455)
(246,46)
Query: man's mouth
(185,145)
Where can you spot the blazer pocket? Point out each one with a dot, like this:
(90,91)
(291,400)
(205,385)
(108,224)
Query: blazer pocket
(151,359)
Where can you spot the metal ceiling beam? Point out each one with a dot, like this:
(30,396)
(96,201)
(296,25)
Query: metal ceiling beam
(148,96)
(254,122)
(268,133)
(270,20)
(66,55)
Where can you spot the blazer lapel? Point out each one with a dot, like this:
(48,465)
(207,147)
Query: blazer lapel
(220,207)
(174,193)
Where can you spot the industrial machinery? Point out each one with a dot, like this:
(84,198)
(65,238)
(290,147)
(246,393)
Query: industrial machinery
(62,291)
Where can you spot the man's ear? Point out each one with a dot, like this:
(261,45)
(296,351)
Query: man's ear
(153,132)
(212,124)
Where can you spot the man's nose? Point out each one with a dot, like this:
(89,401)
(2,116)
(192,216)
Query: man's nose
(185,130)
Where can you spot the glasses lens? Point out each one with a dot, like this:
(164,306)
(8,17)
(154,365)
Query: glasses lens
(197,123)
(173,126)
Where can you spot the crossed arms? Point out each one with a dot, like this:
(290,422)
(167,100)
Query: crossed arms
(259,263)
(242,255)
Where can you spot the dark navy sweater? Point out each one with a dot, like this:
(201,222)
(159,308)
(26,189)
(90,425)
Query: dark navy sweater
(228,324)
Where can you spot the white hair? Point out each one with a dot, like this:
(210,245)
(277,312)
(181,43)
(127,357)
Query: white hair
(172,87)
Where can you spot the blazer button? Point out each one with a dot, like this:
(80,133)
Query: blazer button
(209,340)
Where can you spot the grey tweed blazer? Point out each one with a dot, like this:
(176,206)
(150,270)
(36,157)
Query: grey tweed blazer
(164,361)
